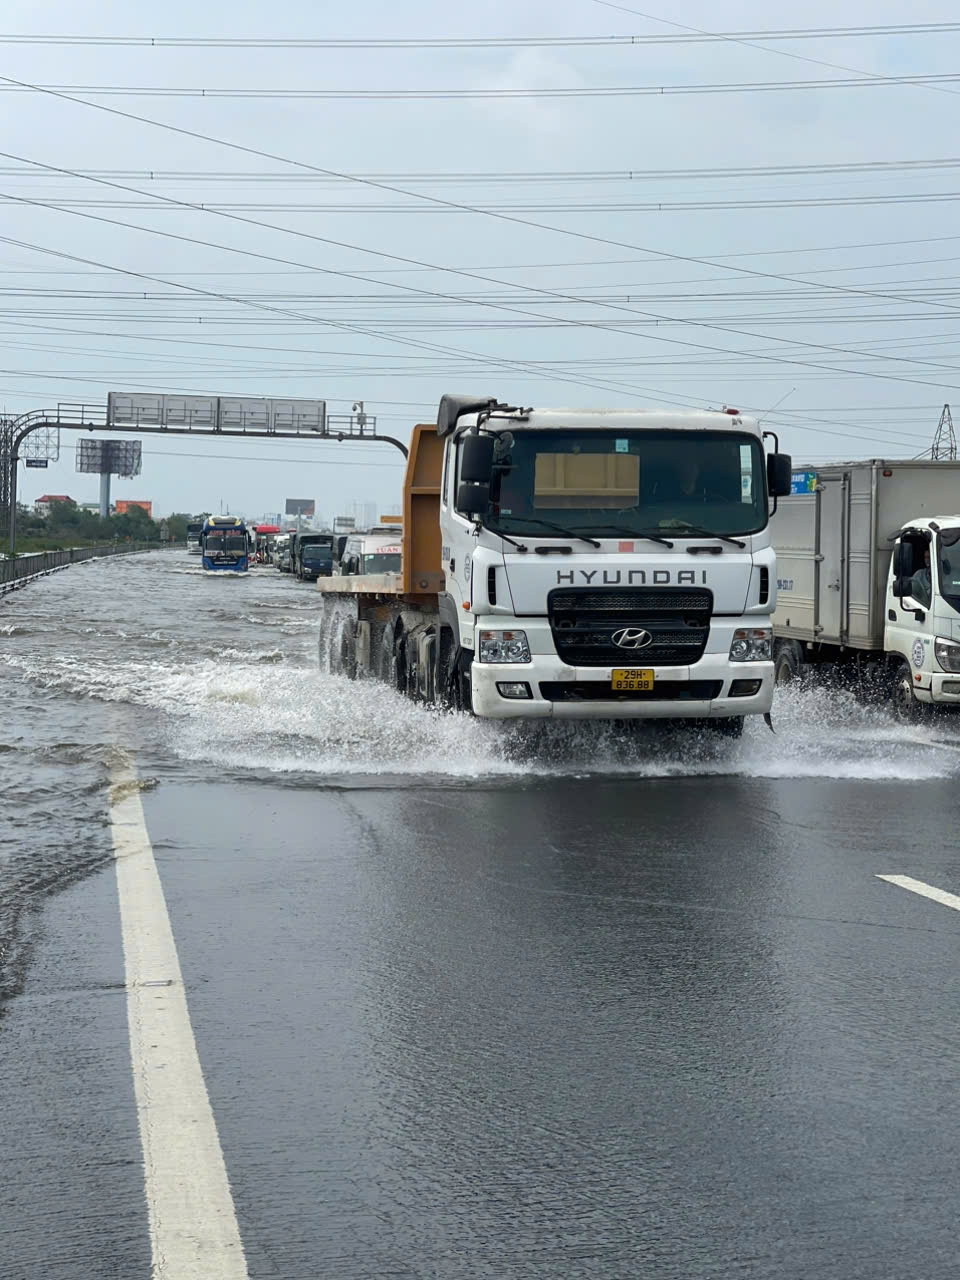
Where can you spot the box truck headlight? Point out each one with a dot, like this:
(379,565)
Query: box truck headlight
(947,654)
(504,646)
(751,644)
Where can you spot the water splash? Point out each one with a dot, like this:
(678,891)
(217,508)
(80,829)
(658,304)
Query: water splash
(266,714)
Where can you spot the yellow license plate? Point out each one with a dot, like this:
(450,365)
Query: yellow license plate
(632,680)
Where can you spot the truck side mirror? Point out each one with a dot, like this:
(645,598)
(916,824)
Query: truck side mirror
(903,561)
(473,499)
(476,459)
(779,474)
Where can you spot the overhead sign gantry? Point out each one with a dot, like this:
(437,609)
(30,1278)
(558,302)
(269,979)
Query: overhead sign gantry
(233,416)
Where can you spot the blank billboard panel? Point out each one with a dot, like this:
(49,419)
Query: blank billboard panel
(109,457)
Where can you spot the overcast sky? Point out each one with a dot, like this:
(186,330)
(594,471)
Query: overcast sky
(673,288)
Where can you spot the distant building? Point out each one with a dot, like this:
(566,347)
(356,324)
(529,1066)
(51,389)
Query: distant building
(42,505)
(366,514)
(92,508)
(123,505)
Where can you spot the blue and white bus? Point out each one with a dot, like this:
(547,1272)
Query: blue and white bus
(226,545)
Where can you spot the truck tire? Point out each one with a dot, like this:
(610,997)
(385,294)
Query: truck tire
(407,669)
(905,704)
(348,651)
(391,667)
(786,666)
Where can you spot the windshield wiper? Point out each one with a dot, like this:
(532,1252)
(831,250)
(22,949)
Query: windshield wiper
(708,533)
(548,524)
(635,533)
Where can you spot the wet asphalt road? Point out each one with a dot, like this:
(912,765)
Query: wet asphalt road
(468,1006)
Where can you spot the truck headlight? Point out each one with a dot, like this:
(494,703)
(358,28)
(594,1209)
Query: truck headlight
(947,654)
(751,644)
(504,646)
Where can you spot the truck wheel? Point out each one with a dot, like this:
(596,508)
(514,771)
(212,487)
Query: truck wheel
(389,666)
(348,652)
(786,669)
(406,667)
(905,704)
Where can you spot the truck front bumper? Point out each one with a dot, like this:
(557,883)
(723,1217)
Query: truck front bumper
(943,689)
(706,690)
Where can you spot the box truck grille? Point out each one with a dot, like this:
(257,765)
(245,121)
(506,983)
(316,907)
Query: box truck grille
(584,621)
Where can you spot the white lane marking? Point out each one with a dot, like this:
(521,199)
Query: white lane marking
(925,890)
(193,1225)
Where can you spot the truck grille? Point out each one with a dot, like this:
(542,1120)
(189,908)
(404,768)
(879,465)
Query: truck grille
(584,620)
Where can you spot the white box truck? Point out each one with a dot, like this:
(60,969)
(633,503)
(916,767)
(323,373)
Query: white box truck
(868,577)
(579,564)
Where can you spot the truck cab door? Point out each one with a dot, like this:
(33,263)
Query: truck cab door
(909,621)
(456,530)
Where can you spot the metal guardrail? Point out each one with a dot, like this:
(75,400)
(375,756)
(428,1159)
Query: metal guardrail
(21,569)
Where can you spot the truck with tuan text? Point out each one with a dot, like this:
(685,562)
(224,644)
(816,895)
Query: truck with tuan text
(575,564)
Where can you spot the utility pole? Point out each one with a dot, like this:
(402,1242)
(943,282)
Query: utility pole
(944,447)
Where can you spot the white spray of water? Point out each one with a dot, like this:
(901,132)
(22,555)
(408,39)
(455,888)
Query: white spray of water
(267,715)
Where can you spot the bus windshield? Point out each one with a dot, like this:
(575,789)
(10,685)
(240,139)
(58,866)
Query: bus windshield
(610,483)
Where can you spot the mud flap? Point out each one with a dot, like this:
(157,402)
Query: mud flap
(768,721)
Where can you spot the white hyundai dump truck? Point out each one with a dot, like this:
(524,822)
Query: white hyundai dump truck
(580,564)
(868,578)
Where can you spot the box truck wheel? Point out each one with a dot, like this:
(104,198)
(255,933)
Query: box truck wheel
(786,668)
(905,704)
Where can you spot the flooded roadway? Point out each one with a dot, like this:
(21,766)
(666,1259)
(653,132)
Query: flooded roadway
(468,1003)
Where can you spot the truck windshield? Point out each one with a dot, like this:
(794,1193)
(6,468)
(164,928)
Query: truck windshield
(388,562)
(610,483)
(949,541)
(317,555)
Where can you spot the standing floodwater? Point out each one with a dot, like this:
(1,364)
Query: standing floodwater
(204,676)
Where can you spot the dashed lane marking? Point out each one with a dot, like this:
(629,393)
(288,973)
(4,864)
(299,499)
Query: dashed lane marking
(925,890)
(193,1224)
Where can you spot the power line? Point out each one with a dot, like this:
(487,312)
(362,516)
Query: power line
(488,279)
(554,206)
(749,42)
(515,364)
(433,200)
(440,177)
(468,94)
(477,42)
(717,259)
(495,361)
